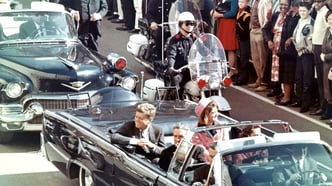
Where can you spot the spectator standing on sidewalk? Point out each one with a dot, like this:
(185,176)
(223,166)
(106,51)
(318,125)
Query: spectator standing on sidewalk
(88,15)
(302,39)
(278,32)
(326,57)
(138,15)
(227,34)
(243,36)
(261,11)
(128,15)
(118,15)
(320,26)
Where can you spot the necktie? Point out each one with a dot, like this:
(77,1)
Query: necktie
(140,134)
(145,148)
(298,166)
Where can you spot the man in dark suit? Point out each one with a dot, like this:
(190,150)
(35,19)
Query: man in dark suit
(201,174)
(147,138)
(179,132)
(88,15)
(38,26)
(300,172)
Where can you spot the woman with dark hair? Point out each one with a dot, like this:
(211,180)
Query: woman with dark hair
(207,111)
(250,130)
(278,33)
(326,57)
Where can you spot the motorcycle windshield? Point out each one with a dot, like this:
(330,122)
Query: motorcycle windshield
(207,57)
(180,6)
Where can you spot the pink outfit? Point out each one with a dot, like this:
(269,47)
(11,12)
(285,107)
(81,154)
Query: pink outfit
(204,140)
(201,105)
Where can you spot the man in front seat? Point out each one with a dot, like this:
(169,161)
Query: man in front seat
(38,26)
(301,172)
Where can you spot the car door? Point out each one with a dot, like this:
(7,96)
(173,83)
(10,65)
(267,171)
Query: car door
(181,168)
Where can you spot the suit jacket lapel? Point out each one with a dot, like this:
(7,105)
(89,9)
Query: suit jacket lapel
(133,130)
(137,133)
(152,136)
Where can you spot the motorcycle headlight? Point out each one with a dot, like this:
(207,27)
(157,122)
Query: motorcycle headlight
(14,90)
(128,83)
(214,82)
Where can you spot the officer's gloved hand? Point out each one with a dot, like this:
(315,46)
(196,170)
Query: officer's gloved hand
(172,72)
(177,78)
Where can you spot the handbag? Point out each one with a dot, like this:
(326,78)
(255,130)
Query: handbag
(223,7)
(329,75)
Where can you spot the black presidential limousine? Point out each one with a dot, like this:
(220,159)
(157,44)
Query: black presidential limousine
(78,143)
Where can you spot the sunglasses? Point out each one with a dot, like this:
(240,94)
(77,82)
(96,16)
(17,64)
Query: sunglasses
(191,23)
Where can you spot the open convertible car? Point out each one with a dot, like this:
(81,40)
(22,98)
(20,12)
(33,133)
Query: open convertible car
(41,65)
(78,143)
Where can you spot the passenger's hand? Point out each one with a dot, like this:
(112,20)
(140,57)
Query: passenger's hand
(146,143)
(95,17)
(154,26)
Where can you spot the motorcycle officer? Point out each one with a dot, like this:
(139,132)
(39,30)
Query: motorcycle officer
(178,51)
(154,15)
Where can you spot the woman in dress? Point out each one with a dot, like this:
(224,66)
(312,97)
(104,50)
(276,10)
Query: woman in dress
(227,33)
(207,111)
(278,33)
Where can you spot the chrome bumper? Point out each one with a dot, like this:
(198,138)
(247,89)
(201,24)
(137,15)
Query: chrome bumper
(14,118)
(17,117)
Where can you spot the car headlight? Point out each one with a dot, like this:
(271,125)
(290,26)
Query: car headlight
(14,90)
(214,81)
(128,83)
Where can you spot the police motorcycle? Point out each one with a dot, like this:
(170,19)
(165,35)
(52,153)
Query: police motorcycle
(143,45)
(208,70)
(207,65)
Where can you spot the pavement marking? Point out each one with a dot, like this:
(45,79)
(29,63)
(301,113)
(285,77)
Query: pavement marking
(322,124)
(20,163)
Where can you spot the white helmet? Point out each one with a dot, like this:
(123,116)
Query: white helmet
(186,16)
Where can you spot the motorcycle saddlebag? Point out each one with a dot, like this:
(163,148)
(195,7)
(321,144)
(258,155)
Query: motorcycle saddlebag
(136,44)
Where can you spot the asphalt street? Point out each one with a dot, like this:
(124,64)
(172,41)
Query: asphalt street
(21,163)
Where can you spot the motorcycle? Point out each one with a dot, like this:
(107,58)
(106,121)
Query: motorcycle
(209,71)
(207,63)
(143,44)
(143,47)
